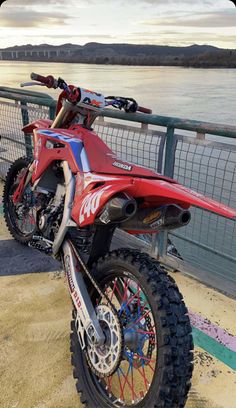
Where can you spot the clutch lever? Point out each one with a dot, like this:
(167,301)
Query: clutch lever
(23,84)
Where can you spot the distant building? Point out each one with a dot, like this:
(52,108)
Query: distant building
(42,52)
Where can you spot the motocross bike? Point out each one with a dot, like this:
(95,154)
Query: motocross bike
(131,339)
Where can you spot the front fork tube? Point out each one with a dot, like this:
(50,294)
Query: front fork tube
(22,184)
(87,321)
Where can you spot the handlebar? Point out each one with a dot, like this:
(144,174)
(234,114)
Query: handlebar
(49,81)
(128,104)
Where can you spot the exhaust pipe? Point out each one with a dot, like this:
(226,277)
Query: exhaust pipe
(157,219)
(176,217)
(119,208)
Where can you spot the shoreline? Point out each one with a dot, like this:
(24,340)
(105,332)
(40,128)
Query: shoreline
(63,61)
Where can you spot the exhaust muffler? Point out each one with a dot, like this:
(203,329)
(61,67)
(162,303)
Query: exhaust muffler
(157,219)
(119,208)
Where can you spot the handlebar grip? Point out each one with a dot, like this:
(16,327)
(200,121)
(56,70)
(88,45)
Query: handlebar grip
(49,81)
(144,110)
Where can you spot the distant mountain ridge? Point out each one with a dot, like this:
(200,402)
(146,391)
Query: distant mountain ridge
(125,54)
(149,49)
(122,48)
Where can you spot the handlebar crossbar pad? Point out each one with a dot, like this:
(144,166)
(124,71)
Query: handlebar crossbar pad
(48,81)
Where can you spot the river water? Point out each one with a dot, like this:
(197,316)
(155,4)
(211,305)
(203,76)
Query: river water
(198,94)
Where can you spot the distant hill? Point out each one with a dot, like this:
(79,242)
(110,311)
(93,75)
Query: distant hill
(125,54)
(147,50)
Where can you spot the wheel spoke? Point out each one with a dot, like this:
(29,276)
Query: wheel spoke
(143,375)
(121,388)
(113,290)
(141,317)
(126,381)
(132,383)
(109,383)
(145,332)
(144,358)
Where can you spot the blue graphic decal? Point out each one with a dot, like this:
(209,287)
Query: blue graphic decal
(75,144)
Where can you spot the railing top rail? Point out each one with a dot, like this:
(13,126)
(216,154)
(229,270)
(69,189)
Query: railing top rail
(25,92)
(38,98)
(43,99)
(177,123)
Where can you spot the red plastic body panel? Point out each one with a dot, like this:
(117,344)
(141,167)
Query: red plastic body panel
(89,202)
(103,160)
(38,124)
(44,156)
(161,192)
(106,175)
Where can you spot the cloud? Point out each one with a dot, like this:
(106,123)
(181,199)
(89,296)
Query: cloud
(30,3)
(202,3)
(216,19)
(172,37)
(59,3)
(30,18)
(87,37)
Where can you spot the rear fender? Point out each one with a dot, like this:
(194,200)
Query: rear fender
(160,192)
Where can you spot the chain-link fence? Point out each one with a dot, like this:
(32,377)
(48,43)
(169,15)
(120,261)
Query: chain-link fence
(208,243)
(142,147)
(13,115)
(209,168)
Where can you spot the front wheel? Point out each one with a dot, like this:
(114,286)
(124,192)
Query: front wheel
(151,360)
(20,217)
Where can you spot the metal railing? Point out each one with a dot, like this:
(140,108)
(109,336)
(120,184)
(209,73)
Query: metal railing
(195,158)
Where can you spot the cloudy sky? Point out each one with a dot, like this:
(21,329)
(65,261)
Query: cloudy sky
(165,22)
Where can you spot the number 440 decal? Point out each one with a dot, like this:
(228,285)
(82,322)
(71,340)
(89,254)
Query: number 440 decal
(90,204)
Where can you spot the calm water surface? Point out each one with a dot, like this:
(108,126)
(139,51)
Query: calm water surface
(200,94)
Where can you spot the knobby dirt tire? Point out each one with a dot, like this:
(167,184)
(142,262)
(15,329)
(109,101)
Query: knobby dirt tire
(172,379)
(15,168)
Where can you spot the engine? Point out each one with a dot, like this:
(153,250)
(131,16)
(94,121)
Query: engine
(49,210)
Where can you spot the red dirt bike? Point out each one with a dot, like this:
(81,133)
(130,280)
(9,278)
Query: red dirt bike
(131,339)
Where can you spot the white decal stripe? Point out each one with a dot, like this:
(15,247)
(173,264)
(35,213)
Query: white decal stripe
(64,138)
(84,160)
(90,204)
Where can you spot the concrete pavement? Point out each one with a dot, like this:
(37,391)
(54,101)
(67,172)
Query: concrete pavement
(35,308)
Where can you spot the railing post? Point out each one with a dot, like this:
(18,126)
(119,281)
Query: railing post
(25,121)
(52,112)
(170,152)
(160,241)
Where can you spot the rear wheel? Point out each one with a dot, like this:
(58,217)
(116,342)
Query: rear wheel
(20,217)
(154,367)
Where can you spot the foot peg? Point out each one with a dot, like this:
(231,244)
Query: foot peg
(41,243)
